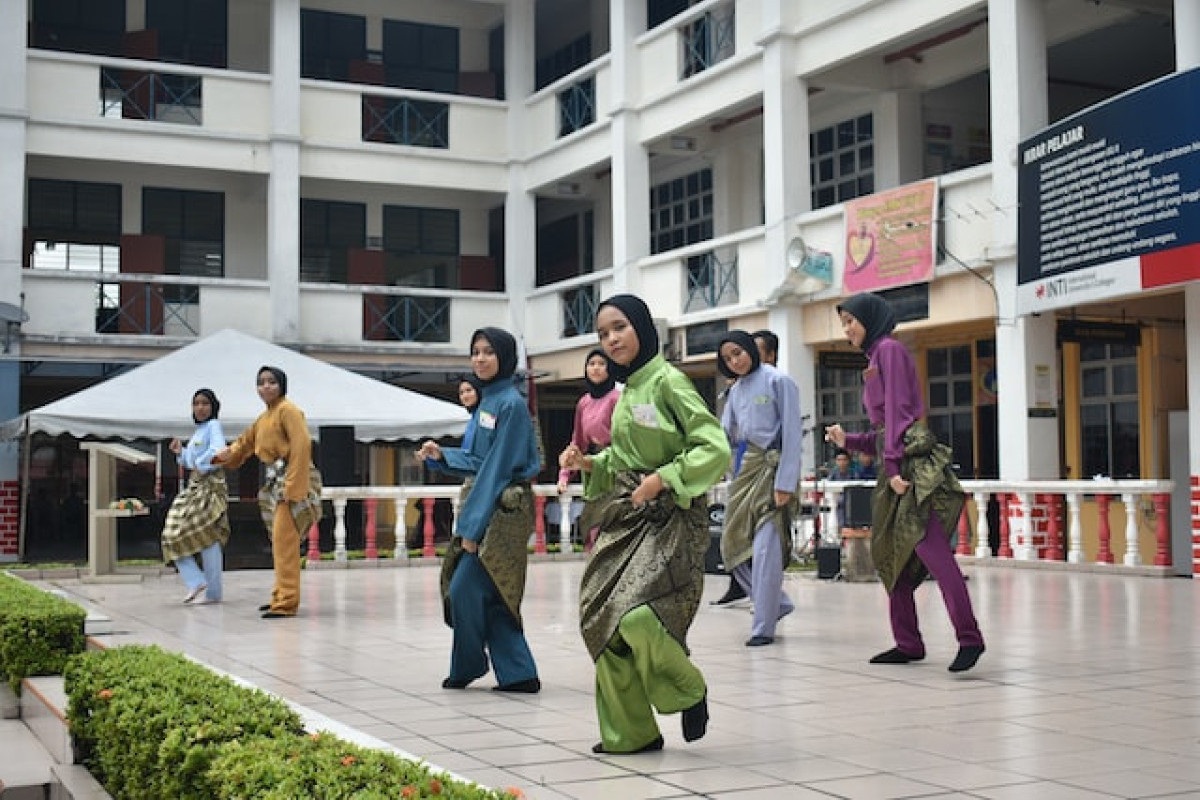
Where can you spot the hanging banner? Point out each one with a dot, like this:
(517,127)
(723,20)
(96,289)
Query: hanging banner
(890,238)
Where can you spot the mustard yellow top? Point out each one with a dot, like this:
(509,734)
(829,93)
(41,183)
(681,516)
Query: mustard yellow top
(279,432)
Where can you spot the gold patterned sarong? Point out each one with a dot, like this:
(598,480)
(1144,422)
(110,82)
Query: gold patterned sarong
(898,522)
(653,555)
(503,551)
(751,505)
(305,513)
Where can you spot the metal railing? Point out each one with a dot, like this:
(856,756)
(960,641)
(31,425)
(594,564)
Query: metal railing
(707,41)
(577,106)
(401,120)
(158,96)
(145,308)
(579,310)
(406,319)
(711,282)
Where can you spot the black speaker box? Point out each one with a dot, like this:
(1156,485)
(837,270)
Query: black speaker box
(858,506)
(335,454)
(829,561)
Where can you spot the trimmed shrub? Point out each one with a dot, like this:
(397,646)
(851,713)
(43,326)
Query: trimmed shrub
(39,631)
(148,723)
(323,767)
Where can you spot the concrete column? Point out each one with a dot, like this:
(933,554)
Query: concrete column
(1026,361)
(14,110)
(898,139)
(1187,34)
(283,183)
(630,160)
(520,206)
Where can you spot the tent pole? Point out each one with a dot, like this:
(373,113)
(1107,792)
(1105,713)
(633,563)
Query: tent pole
(25,464)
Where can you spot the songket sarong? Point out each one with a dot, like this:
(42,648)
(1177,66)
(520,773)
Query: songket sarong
(503,552)
(197,517)
(899,522)
(305,512)
(751,505)
(653,555)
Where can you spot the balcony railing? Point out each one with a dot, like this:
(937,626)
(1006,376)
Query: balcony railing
(708,40)
(577,106)
(579,310)
(402,318)
(401,120)
(711,282)
(159,96)
(146,308)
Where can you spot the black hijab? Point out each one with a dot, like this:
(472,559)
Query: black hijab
(212,400)
(280,377)
(477,385)
(876,315)
(506,352)
(638,314)
(744,341)
(598,390)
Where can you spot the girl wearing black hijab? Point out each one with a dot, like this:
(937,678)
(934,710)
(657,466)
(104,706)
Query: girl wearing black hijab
(917,501)
(198,520)
(483,574)
(646,492)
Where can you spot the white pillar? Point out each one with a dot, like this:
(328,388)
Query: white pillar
(1187,34)
(1187,56)
(283,183)
(14,108)
(520,206)
(1026,362)
(630,160)
(898,139)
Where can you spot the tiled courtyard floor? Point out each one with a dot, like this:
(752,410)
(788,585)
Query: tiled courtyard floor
(1090,686)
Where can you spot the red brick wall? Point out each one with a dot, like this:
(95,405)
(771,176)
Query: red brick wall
(10,519)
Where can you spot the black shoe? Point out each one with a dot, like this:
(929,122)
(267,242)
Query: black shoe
(966,658)
(895,656)
(454,683)
(530,686)
(655,745)
(695,720)
(276,614)
(265,607)
(759,641)
(735,593)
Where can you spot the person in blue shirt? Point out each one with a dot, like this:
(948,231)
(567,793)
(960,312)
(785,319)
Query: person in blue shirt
(483,574)
(842,470)
(469,389)
(198,520)
(864,468)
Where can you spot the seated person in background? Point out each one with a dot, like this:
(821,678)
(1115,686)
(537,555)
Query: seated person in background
(841,471)
(865,470)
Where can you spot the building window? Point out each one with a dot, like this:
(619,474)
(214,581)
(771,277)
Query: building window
(74,225)
(1108,383)
(421,246)
(681,211)
(564,60)
(842,164)
(328,231)
(190,31)
(951,400)
(79,26)
(329,43)
(839,397)
(193,225)
(419,56)
(659,11)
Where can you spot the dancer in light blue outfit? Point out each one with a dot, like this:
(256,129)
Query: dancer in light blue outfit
(198,520)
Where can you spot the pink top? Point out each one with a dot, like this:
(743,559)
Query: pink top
(593,424)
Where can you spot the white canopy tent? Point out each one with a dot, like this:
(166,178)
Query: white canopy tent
(154,400)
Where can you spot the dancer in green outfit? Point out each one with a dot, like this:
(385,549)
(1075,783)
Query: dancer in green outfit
(646,492)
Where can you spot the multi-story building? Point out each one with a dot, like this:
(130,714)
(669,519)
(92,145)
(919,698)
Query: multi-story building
(371,180)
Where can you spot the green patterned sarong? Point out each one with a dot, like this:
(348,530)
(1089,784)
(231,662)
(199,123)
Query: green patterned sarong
(898,522)
(503,551)
(752,505)
(652,556)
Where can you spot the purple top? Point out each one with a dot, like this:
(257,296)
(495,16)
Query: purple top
(593,424)
(892,398)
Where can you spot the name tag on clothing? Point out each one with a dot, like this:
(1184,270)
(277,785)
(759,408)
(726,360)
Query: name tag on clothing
(487,420)
(763,400)
(646,415)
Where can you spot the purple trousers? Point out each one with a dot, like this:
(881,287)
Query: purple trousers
(935,553)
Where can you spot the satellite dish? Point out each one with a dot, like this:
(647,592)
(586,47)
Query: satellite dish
(13,314)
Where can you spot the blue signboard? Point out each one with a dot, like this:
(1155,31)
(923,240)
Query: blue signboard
(1110,198)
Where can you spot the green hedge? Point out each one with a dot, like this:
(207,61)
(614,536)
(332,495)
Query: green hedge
(151,724)
(39,631)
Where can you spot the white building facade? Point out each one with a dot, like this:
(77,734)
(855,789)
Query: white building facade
(372,180)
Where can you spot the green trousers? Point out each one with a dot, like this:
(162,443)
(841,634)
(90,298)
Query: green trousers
(643,669)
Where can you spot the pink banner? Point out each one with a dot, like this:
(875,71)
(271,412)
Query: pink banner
(890,238)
